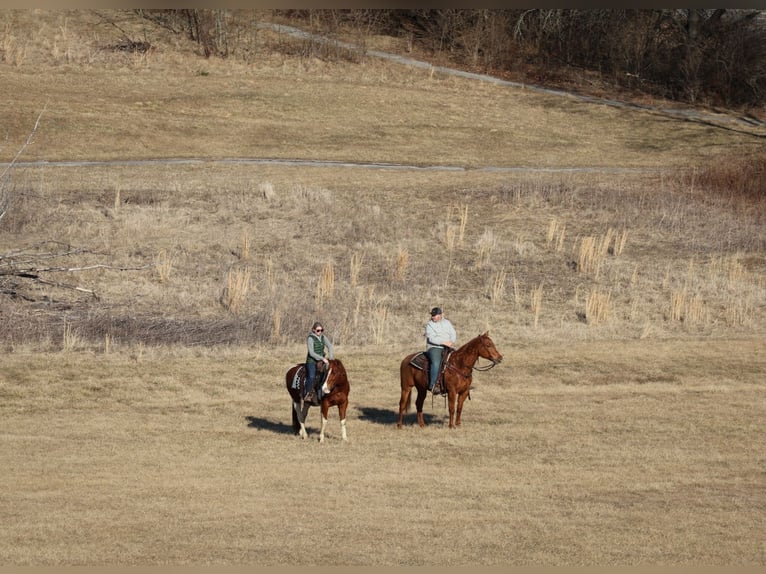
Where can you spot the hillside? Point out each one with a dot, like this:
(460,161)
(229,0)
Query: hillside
(533,213)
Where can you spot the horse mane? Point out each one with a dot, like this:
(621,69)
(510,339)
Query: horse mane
(471,343)
(338,368)
(335,364)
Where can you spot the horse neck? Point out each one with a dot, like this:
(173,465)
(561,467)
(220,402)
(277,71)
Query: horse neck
(468,354)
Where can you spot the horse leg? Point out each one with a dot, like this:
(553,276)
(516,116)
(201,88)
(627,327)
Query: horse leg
(325,414)
(302,412)
(321,432)
(299,419)
(419,401)
(342,414)
(451,399)
(460,400)
(403,402)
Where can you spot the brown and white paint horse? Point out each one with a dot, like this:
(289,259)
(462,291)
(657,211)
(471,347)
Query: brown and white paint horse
(334,392)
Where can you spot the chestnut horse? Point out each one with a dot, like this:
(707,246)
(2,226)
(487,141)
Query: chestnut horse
(334,391)
(457,375)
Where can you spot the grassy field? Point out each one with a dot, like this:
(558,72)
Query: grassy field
(144,415)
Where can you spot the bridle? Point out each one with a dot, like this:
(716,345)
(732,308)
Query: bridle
(491,365)
(474,367)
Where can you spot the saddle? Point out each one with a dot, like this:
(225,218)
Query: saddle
(421,362)
(299,380)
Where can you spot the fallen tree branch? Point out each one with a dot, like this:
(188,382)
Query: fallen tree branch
(72,287)
(28,271)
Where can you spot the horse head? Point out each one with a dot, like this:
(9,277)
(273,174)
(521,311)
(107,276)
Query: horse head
(487,349)
(336,377)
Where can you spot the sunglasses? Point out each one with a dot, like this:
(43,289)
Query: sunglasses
(319,330)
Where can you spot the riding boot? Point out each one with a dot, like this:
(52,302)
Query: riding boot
(311,397)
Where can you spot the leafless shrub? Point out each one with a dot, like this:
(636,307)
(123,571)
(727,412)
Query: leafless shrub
(736,178)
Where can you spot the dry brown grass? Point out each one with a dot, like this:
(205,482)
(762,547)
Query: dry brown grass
(150,426)
(600,453)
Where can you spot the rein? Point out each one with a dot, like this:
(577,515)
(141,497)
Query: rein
(481,369)
(474,367)
(487,368)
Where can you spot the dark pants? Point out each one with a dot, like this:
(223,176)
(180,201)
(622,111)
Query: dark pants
(435,360)
(311,372)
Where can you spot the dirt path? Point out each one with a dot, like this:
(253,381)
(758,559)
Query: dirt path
(328,163)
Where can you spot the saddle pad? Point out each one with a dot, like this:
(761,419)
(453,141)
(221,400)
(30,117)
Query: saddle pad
(299,379)
(420,361)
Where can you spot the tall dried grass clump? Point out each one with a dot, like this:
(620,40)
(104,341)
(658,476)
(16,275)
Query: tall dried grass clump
(697,311)
(556,233)
(266,189)
(326,283)
(355,267)
(463,221)
(11,50)
(677,304)
(71,339)
(689,309)
(244,245)
(598,307)
(236,289)
(536,304)
(276,325)
(401,263)
(454,233)
(486,245)
(593,250)
(588,260)
(378,323)
(163,264)
(450,238)
(271,278)
(497,286)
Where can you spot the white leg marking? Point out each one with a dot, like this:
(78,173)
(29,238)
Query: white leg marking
(301,419)
(321,433)
(343,434)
